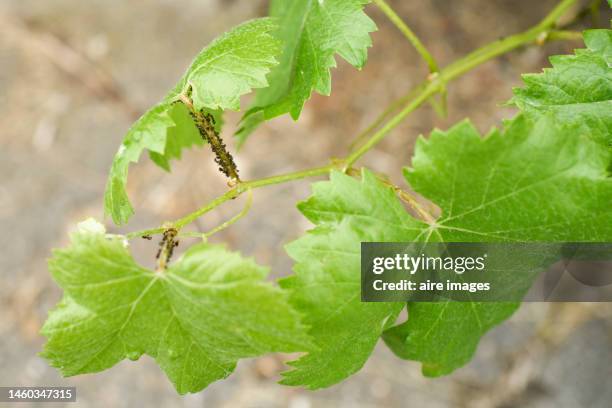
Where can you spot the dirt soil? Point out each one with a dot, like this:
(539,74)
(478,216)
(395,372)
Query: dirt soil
(73,76)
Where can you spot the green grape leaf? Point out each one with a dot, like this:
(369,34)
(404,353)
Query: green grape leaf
(196,318)
(533,182)
(149,132)
(326,281)
(312,32)
(233,65)
(577,89)
(228,68)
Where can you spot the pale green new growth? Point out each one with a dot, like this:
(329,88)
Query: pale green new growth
(228,68)
(232,66)
(312,31)
(196,319)
(534,182)
(577,89)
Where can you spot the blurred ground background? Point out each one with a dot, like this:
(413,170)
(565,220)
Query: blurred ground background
(73,76)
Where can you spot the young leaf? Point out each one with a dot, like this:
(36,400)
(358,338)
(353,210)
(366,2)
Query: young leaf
(534,182)
(228,68)
(232,65)
(577,89)
(312,32)
(196,319)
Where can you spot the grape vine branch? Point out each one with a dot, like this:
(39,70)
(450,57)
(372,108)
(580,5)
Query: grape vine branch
(434,84)
(544,175)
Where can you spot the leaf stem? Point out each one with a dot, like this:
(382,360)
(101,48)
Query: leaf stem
(440,107)
(414,99)
(235,218)
(383,116)
(564,35)
(233,193)
(403,195)
(409,34)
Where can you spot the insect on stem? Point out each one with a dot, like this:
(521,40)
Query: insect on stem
(166,248)
(205,123)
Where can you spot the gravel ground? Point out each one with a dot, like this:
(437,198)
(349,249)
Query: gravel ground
(74,74)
